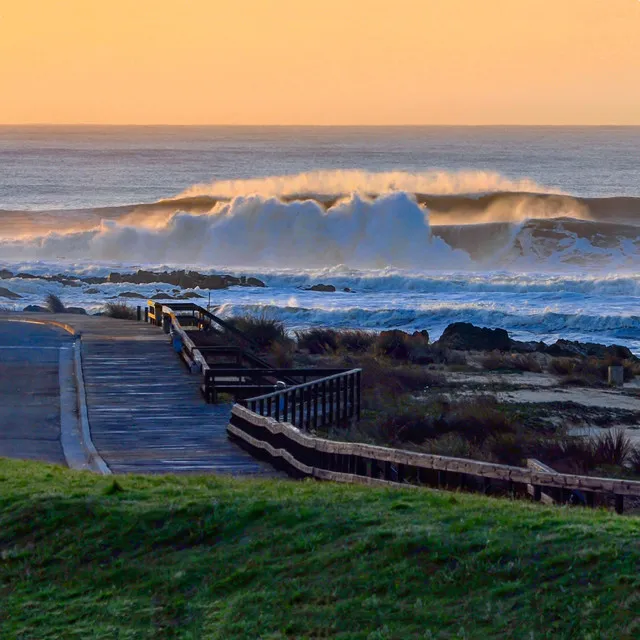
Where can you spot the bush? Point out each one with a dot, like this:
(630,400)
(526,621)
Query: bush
(282,353)
(400,345)
(120,310)
(612,447)
(318,341)
(507,448)
(592,371)
(382,377)
(355,341)
(261,330)
(54,304)
(496,361)
(562,366)
(573,453)
(453,445)
(477,418)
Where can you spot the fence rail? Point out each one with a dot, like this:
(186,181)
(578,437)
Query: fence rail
(302,454)
(330,401)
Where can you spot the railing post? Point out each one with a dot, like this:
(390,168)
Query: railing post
(358,393)
(269,406)
(619,504)
(308,407)
(146,314)
(262,407)
(277,403)
(331,401)
(301,408)
(345,414)
(285,396)
(352,390)
(324,403)
(315,406)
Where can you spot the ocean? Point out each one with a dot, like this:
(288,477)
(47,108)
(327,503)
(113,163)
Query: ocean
(532,229)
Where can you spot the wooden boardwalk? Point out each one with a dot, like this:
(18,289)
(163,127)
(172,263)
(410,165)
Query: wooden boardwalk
(145,410)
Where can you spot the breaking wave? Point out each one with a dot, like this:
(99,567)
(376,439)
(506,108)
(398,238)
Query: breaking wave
(365,220)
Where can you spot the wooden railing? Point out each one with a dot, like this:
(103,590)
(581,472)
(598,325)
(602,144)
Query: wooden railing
(244,382)
(304,455)
(330,401)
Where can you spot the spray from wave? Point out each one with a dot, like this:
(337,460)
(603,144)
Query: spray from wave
(325,184)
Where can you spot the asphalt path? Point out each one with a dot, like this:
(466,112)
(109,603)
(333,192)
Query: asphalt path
(30,391)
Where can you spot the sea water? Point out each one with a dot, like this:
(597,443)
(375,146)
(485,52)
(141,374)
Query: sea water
(531,229)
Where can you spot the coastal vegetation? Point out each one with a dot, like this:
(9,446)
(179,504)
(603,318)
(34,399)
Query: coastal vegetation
(207,557)
(433,398)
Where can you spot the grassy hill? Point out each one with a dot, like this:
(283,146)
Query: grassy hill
(199,557)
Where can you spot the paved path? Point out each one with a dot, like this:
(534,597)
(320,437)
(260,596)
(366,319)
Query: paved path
(30,391)
(145,410)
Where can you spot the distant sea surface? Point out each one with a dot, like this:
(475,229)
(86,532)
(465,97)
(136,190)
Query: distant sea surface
(534,229)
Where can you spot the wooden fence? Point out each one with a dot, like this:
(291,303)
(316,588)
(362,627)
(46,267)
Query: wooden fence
(302,454)
(332,400)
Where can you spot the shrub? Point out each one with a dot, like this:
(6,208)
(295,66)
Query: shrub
(477,418)
(562,366)
(54,304)
(119,310)
(453,445)
(282,353)
(393,344)
(356,341)
(612,447)
(507,448)
(261,330)
(380,377)
(318,341)
(496,361)
(592,371)
(575,453)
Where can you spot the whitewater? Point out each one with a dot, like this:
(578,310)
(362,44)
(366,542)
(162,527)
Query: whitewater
(410,236)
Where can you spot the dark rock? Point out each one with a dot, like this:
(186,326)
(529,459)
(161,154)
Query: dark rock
(348,290)
(254,282)
(34,308)
(131,294)
(574,349)
(162,296)
(464,336)
(5,293)
(323,288)
(189,295)
(77,310)
(5,274)
(185,279)
(92,290)
(94,280)
(527,347)
(28,276)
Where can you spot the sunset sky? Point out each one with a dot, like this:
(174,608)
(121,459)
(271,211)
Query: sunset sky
(320,61)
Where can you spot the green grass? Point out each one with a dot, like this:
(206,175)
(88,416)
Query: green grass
(199,557)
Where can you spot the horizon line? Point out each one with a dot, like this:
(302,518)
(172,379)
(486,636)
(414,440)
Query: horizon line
(319,126)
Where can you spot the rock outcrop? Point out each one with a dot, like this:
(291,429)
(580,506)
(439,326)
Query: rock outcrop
(185,279)
(323,288)
(464,336)
(10,295)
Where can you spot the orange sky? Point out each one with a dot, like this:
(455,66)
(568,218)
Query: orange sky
(320,61)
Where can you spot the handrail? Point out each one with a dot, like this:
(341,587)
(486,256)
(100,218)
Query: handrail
(303,385)
(303,454)
(171,307)
(325,402)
